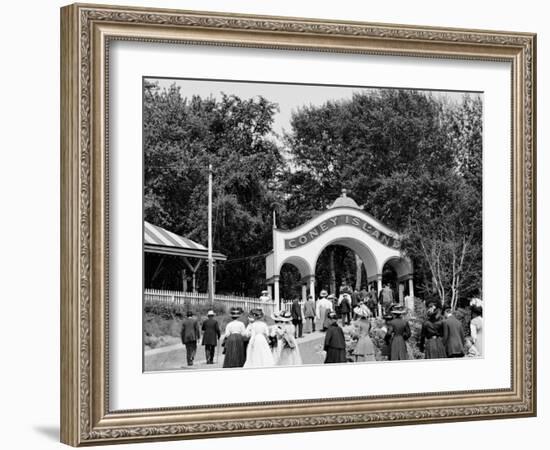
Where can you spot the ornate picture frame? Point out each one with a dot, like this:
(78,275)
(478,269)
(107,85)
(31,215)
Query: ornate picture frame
(86,33)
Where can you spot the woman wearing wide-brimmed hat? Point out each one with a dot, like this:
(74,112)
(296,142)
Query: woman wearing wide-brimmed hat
(233,340)
(476,327)
(258,353)
(398,333)
(364,349)
(286,352)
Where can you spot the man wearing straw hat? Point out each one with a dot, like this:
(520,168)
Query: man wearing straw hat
(267,303)
(324,305)
(309,315)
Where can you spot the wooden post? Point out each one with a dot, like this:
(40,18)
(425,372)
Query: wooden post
(210,259)
(276,286)
(184,280)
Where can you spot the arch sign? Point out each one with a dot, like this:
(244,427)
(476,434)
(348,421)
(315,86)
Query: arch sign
(343,223)
(342,219)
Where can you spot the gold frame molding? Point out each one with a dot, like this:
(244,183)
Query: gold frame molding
(86,31)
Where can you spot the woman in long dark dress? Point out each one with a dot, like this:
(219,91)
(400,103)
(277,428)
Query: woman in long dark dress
(431,337)
(235,354)
(398,332)
(335,342)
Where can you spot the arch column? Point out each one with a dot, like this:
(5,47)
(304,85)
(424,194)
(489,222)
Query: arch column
(304,292)
(377,278)
(311,279)
(276,291)
(411,287)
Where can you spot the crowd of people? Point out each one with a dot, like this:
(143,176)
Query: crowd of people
(443,336)
(253,345)
(351,324)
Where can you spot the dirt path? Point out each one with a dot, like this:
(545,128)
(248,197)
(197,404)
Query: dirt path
(173,357)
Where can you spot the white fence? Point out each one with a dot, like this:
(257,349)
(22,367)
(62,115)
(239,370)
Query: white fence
(286,304)
(196,298)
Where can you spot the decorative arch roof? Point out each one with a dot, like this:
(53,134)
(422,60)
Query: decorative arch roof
(344,201)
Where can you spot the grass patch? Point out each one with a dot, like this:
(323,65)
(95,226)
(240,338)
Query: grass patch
(162,321)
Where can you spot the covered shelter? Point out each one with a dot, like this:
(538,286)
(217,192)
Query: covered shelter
(161,241)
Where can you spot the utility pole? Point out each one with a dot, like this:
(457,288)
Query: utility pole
(210,259)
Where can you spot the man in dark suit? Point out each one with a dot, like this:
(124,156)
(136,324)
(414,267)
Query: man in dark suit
(190,334)
(372,301)
(297,318)
(210,335)
(345,308)
(453,335)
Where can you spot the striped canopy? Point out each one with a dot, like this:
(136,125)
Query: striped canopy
(159,240)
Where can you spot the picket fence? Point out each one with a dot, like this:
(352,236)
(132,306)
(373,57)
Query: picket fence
(196,298)
(286,304)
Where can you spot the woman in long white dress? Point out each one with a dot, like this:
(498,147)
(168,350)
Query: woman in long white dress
(258,353)
(287,352)
(476,328)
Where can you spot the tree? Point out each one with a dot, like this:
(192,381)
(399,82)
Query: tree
(182,136)
(412,159)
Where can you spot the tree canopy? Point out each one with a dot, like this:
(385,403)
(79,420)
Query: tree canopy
(412,158)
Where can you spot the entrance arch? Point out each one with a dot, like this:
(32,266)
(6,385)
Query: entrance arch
(343,223)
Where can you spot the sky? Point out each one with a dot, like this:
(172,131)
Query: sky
(289,97)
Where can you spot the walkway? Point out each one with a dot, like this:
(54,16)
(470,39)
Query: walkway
(173,357)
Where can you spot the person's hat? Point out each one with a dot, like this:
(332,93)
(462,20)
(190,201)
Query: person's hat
(345,290)
(332,297)
(387,317)
(235,312)
(360,311)
(323,293)
(210,313)
(256,313)
(265,291)
(283,316)
(189,313)
(332,315)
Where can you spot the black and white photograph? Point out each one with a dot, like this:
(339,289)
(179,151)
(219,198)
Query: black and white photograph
(292,224)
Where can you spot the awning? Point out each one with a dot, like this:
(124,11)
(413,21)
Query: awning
(159,240)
